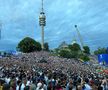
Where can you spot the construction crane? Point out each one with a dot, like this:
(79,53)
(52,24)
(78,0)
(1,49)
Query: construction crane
(80,37)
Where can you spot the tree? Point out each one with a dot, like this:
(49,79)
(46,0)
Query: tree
(86,50)
(65,53)
(28,45)
(56,50)
(85,58)
(100,51)
(46,46)
(70,47)
(75,50)
(75,47)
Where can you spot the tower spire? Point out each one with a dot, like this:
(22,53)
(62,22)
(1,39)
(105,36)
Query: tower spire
(42,6)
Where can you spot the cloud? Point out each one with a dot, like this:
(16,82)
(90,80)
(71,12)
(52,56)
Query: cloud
(20,19)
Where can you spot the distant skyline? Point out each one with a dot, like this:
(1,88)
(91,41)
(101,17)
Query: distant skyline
(20,19)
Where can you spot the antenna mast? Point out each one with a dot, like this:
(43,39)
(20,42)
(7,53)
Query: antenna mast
(42,6)
(42,23)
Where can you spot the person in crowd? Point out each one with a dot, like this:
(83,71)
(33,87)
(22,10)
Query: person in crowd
(18,84)
(1,84)
(69,85)
(23,84)
(87,86)
(25,72)
(33,85)
(58,86)
(6,86)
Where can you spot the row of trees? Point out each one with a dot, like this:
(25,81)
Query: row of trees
(101,51)
(74,51)
(30,45)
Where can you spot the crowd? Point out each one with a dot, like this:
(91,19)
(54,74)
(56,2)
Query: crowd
(42,71)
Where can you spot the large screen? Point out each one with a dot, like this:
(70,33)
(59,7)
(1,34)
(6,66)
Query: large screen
(103,58)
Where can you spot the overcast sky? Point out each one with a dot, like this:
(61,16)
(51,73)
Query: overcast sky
(20,19)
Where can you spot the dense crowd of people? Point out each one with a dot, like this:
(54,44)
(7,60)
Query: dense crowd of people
(42,71)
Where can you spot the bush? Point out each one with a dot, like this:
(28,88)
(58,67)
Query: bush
(65,54)
(85,58)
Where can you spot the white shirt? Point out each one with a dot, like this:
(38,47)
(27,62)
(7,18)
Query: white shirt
(28,83)
(17,87)
(7,80)
(22,86)
(87,87)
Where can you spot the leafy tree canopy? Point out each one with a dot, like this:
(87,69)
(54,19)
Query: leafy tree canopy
(46,46)
(86,50)
(85,58)
(100,51)
(74,47)
(65,53)
(28,45)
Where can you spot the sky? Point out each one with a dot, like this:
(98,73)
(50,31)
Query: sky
(19,19)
